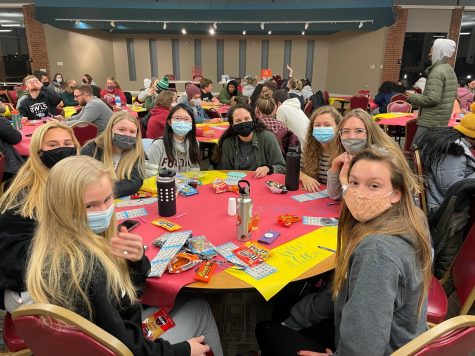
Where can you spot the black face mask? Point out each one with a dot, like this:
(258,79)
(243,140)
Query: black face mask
(45,84)
(51,157)
(244,129)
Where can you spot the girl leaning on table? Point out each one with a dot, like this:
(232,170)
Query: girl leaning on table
(378,297)
(21,205)
(178,150)
(356,131)
(98,272)
(248,145)
(321,132)
(120,148)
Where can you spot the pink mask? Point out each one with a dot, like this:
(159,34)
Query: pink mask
(365,207)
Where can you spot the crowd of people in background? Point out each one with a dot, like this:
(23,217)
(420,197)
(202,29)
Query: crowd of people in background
(383,259)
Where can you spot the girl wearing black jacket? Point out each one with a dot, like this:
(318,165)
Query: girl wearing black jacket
(8,137)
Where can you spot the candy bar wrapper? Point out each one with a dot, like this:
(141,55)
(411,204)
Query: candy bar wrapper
(166,224)
(201,246)
(258,249)
(220,186)
(183,262)
(248,256)
(156,324)
(205,271)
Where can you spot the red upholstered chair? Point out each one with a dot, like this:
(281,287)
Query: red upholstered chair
(399,96)
(419,171)
(84,131)
(15,344)
(437,305)
(359,101)
(455,336)
(11,96)
(411,128)
(65,333)
(365,92)
(308,108)
(326,97)
(213,114)
(399,106)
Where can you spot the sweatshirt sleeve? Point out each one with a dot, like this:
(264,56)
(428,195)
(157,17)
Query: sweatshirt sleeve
(274,153)
(311,310)
(224,96)
(7,133)
(130,186)
(372,289)
(227,154)
(334,186)
(51,97)
(87,114)
(107,317)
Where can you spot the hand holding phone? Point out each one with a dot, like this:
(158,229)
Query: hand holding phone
(129,224)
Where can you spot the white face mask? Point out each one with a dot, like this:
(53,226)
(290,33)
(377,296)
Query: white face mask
(59,80)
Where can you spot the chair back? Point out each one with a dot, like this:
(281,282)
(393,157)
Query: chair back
(11,96)
(213,113)
(50,330)
(128,97)
(10,336)
(326,97)
(399,106)
(359,101)
(3,161)
(308,108)
(399,96)
(365,92)
(411,128)
(455,336)
(84,131)
(463,272)
(416,159)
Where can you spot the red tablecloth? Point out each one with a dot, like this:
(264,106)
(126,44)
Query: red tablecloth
(23,147)
(206,214)
(396,121)
(217,131)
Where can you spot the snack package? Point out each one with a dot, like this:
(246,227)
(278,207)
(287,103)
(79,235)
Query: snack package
(258,249)
(141,194)
(183,262)
(246,255)
(166,224)
(188,190)
(201,246)
(288,219)
(220,186)
(205,271)
(276,188)
(156,324)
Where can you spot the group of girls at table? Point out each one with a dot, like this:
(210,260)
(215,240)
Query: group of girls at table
(383,258)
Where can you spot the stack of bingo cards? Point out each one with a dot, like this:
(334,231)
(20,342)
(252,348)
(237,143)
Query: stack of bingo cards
(173,243)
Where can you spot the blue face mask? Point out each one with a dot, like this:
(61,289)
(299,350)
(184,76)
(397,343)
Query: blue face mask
(324,134)
(181,128)
(99,220)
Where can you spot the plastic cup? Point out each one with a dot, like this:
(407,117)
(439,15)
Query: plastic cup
(256,216)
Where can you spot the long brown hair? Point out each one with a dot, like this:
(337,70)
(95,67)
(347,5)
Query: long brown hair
(312,150)
(403,218)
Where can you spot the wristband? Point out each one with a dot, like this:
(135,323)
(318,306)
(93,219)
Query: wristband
(271,169)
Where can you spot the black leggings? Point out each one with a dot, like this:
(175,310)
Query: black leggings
(275,339)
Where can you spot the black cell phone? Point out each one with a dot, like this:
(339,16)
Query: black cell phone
(29,135)
(129,224)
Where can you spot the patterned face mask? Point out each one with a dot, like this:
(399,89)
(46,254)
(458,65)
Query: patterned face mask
(365,207)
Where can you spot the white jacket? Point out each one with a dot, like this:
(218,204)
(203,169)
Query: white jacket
(293,116)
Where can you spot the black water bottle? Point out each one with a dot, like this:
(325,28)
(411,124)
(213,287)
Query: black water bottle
(292,170)
(166,193)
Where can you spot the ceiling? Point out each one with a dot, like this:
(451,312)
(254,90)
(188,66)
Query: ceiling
(227,17)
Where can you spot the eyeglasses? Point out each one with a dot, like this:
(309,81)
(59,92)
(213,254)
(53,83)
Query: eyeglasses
(77,96)
(184,118)
(356,132)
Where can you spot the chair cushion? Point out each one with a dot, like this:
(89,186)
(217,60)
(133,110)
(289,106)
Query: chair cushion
(438,304)
(458,342)
(13,341)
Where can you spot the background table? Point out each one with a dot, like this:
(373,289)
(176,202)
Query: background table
(206,214)
(23,147)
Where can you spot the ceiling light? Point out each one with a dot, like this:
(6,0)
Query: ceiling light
(303,33)
(215,26)
(262,26)
(469,76)
(112,23)
(211,31)
(183,31)
(465,33)
(164,25)
(306,25)
(77,22)
(11,25)
(10,30)
(244,32)
(360,25)
(270,32)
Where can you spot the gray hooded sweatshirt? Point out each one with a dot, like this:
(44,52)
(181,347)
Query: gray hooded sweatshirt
(376,311)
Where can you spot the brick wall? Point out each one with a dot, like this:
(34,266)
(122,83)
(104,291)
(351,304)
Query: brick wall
(35,37)
(394,45)
(454,31)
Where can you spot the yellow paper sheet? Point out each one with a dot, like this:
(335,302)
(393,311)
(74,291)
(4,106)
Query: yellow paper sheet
(291,260)
(206,177)
(390,115)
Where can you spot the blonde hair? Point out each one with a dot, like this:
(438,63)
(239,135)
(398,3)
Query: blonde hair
(68,87)
(295,84)
(116,82)
(24,192)
(130,157)
(61,272)
(401,219)
(312,150)
(266,104)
